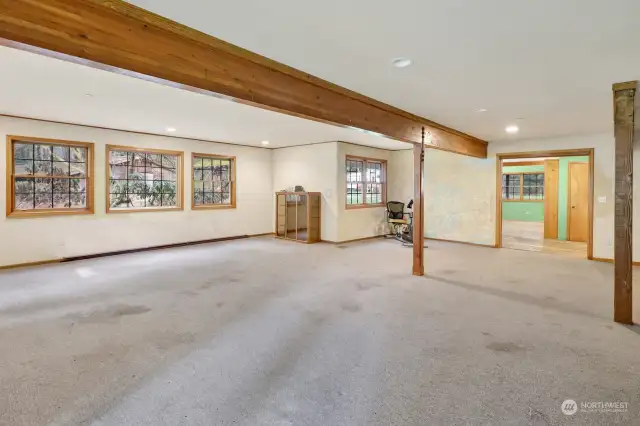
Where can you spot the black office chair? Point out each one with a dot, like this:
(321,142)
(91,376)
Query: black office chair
(397,219)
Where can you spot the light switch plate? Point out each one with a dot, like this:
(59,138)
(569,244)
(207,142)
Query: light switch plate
(602,199)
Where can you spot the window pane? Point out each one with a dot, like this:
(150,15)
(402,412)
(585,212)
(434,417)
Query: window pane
(511,186)
(78,169)
(61,153)
(169,200)
(43,186)
(78,200)
(78,154)
(61,200)
(374,193)
(61,186)
(23,151)
(374,172)
(42,152)
(118,158)
(197,197)
(60,168)
(23,167)
(355,193)
(77,185)
(119,200)
(24,186)
(118,186)
(170,161)
(42,167)
(24,201)
(44,201)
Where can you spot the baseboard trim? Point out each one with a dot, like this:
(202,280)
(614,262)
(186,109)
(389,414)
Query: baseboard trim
(131,251)
(28,264)
(352,241)
(607,260)
(461,242)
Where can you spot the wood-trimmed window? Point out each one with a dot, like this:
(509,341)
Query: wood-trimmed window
(213,181)
(48,177)
(143,179)
(366,183)
(527,186)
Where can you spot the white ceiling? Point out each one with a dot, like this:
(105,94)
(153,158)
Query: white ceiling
(41,87)
(549,62)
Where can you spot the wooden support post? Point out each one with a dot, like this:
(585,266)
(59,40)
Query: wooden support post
(624,104)
(418,210)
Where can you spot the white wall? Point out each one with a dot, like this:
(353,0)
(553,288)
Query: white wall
(47,238)
(460,191)
(459,199)
(315,167)
(321,167)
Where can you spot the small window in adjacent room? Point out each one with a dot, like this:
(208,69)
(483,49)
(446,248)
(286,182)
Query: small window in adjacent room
(523,186)
(533,186)
(511,186)
(48,177)
(366,183)
(144,179)
(214,183)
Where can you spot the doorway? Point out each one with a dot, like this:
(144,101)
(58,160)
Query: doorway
(546,202)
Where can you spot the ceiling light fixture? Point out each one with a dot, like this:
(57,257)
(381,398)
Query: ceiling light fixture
(265,142)
(401,62)
(512,129)
(171,129)
(482,110)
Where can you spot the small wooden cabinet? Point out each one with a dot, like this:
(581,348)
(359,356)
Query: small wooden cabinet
(298,216)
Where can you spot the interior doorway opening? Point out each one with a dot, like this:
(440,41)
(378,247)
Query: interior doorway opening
(546,202)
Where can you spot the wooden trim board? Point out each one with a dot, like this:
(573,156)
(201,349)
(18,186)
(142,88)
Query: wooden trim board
(157,49)
(460,242)
(607,260)
(551,174)
(354,240)
(130,251)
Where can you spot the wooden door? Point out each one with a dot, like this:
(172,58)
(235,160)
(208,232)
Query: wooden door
(551,170)
(578,211)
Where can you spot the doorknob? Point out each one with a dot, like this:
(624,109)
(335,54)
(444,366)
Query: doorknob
(573,207)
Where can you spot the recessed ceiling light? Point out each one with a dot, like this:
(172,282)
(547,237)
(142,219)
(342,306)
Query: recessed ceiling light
(265,142)
(482,110)
(89,95)
(401,62)
(512,129)
(171,129)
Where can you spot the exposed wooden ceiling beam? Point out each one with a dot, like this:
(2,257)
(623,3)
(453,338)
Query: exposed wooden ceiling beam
(123,38)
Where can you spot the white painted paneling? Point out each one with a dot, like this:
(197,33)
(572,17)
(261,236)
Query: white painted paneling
(45,238)
(315,168)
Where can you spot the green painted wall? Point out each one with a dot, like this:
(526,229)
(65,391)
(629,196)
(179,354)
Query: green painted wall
(563,193)
(524,211)
(527,211)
